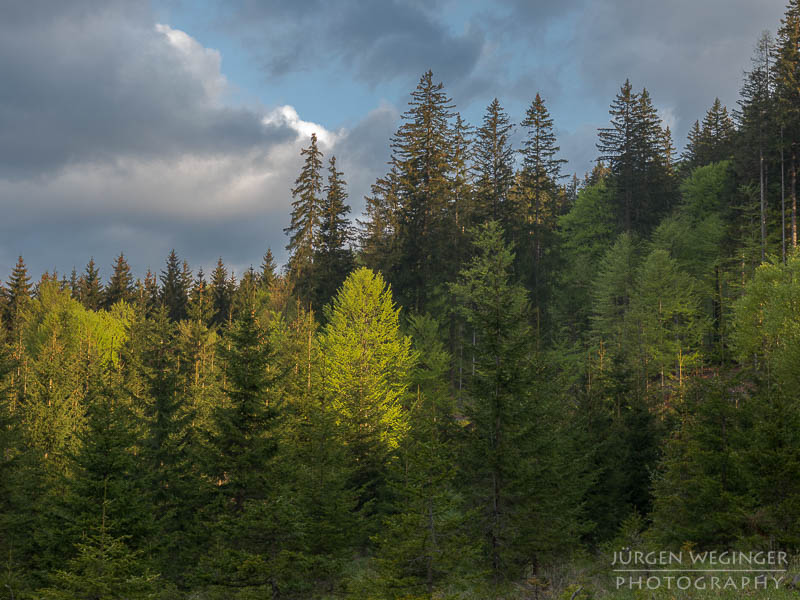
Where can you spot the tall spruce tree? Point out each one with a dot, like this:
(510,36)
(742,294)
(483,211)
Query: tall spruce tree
(333,257)
(306,214)
(17,294)
(175,284)
(120,285)
(494,168)
(221,295)
(511,463)
(787,88)
(421,161)
(633,147)
(90,288)
(539,196)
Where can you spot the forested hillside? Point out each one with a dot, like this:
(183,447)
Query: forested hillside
(497,373)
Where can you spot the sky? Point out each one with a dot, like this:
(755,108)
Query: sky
(140,127)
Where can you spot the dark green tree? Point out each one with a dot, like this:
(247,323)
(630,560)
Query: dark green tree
(120,285)
(422,163)
(16,294)
(515,453)
(787,92)
(175,284)
(494,168)
(221,295)
(306,215)
(333,257)
(90,288)
(268,272)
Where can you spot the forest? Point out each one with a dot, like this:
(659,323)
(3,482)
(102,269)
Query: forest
(482,388)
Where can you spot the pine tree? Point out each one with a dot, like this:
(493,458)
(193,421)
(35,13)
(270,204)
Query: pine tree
(200,304)
(494,168)
(175,287)
(424,545)
(333,258)
(378,233)
(511,462)
(540,198)
(103,513)
(150,297)
(268,271)
(306,214)
(421,161)
(221,295)
(17,294)
(120,286)
(633,147)
(787,88)
(90,288)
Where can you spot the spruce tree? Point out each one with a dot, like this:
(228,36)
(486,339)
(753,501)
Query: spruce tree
(421,161)
(515,453)
(634,149)
(306,215)
(494,168)
(540,199)
(333,257)
(758,129)
(90,288)
(152,378)
(200,303)
(221,295)
(787,88)
(17,294)
(120,285)
(175,284)
(268,272)
(424,545)
(103,514)
(150,297)
(378,233)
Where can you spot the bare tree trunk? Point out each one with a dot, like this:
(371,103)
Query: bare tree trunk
(763,206)
(783,204)
(793,193)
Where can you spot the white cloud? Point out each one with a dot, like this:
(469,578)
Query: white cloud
(287,115)
(203,63)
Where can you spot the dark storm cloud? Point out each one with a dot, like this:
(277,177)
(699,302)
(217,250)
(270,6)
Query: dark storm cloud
(116,135)
(685,52)
(96,81)
(376,40)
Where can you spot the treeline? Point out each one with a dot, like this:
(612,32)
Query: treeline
(493,373)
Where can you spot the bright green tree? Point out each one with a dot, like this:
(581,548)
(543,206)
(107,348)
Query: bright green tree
(366,362)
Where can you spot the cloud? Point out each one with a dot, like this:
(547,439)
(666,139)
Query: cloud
(375,41)
(117,134)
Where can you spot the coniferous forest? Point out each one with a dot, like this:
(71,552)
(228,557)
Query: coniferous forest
(494,378)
